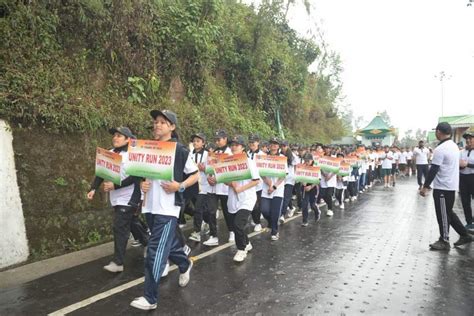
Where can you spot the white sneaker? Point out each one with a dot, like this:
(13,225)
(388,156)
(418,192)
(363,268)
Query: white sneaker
(217,214)
(275,237)
(187,250)
(355,198)
(341,206)
(166,270)
(182,225)
(212,241)
(346,200)
(136,243)
(329,213)
(257,228)
(336,203)
(195,236)
(142,303)
(249,247)
(113,267)
(291,212)
(240,255)
(186,276)
(231,237)
(282,220)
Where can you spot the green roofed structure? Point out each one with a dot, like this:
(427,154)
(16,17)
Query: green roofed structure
(460,124)
(377,133)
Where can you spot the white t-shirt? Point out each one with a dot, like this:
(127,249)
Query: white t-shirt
(470,160)
(446,156)
(403,158)
(122,196)
(331,183)
(244,200)
(252,157)
(372,159)
(157,201)
(280,190)
(386,162)
(290,177)
(396,156)
(421,155)
(220,188)
(201,157)
(409,155)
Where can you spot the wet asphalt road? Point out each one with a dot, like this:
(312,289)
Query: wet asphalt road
(371,258)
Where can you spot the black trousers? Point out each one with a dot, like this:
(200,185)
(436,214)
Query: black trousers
(122,222)
(240,221)
(444,201)
(340,195)
(466,188)
(213,200)
(421,171)
(200,211)
(299,194)
(287,198)
(256,212)
(139,230)
(326,194)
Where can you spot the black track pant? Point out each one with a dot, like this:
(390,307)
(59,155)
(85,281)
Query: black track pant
(122,222)
(256,212)
(240,221)
(444,201)
(326,194)
(422,171)
(466,187)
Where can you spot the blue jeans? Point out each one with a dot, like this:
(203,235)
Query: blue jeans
(163,244)
(271,209)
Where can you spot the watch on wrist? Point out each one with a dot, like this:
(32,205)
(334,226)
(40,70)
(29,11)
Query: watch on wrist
(274,187)
(181,187)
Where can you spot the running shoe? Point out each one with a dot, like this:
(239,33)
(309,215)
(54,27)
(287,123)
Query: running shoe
(275,237)
(463,240)
(142,303)
(257,228)
(240,255)
(186,276)
(249,247)
(212,241)
(304,224)
(329,213)
(195,236)
(440,245)
(231,237)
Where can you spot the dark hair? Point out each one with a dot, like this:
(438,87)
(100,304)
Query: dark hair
(289,156)
(174,134)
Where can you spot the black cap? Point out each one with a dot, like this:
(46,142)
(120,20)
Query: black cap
(220,133)
(169,115)
(264,143)
(284,142)
(274,140)
(125,131)
(444,128)
(308,156)
(254,138)
(238,139)
(211,146)
(468,133)
(198,135)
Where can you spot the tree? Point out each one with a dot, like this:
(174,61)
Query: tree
(384,115)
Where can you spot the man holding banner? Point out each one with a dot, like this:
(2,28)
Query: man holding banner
(164,163)
(124,191)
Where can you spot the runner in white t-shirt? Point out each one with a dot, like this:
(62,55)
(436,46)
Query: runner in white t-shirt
(386,157)
(444,174)
(242,199)
(162,205)
(420,156)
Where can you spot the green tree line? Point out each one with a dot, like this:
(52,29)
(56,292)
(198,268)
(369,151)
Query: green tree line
(82,65)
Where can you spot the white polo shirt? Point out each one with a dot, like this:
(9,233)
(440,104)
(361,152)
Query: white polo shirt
(157,201)
(403,158)
(280,190)
(446,156)
(396,156)
(252,157)
(290,177)
(421,155)
(201,157)
(244,200)
(469,157)
(409,155)
(122,196)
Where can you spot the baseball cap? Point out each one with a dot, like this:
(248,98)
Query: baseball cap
(264,143)
(199,135)
(468,133)
(125,131)
(444,128)
(169,115)
(238,139)
(274,140)
(284,142)
(254,138)
(220,133)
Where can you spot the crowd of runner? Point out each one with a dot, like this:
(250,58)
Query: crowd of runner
(245,205)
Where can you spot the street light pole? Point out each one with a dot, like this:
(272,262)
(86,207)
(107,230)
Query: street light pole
(442,76)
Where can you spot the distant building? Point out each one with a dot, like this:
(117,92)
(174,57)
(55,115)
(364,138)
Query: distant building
(377,133)
(460,124)
(345,140)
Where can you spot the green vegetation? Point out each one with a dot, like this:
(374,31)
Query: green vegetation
(84,65)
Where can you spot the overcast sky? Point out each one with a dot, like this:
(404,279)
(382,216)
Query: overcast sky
(391,52)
